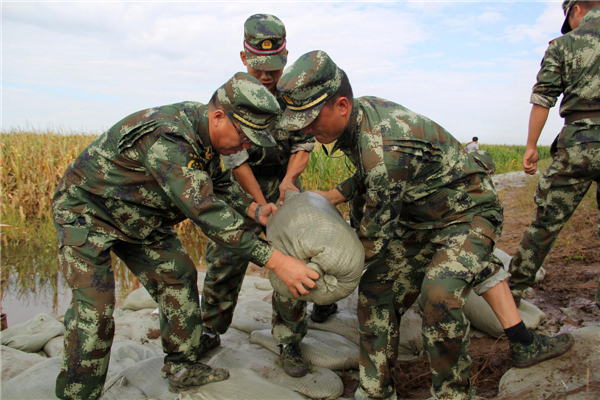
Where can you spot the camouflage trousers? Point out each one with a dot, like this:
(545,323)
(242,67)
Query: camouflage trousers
(165,270)
(225,271)
(443,266)
(560,190)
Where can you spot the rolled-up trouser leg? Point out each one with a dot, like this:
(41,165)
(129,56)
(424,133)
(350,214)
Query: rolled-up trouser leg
(89,325)
(289,323)
(389,286)
(560,190)
(462,256)
(168,273)
(222,284)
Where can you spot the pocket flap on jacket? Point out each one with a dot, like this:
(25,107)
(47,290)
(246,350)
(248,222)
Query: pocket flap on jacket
(72,236)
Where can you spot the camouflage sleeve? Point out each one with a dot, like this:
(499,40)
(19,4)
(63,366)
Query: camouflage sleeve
(350,188)
(231,192)
(181,174)
(549,85)
(302,142)
(235,160)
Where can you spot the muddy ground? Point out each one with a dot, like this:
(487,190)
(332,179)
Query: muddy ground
(566,295)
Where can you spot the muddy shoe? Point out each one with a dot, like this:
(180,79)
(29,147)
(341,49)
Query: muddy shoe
(208,342)
(320,314)
(196,374)
(292,361)
(541,349)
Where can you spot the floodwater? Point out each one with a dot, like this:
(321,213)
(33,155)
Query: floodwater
(32,283)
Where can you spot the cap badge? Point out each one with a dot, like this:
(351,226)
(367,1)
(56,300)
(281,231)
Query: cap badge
(267,44)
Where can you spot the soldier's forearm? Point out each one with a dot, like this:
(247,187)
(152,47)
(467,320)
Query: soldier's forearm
(537,120)
(296,165)
(247,180)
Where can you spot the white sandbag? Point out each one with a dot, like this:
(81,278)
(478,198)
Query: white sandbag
(146,376)
(319,383)
(119,388)
(242,384)
(482,316)
(16,361)
(32,335)
(141,326)
(125,353)
(252,315)
(343,322)
(38,382)
(324,349)
(138,300)
(232,339)
(554,378)
(310,228)
(55,347)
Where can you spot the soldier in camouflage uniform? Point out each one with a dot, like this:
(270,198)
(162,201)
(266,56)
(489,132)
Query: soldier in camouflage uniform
(429,221)
(263,172)
(125,192)
(571,66)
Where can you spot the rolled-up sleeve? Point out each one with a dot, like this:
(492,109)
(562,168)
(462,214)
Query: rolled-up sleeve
(302,142)
(549,85)
(186,183)
(235,160)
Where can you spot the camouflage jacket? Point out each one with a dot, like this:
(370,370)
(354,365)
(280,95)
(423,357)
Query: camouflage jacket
(571,66)
(288,143)
(148,172)
(413,175)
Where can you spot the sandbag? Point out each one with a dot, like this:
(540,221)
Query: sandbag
(37,382)
(55,347)
(32,335)
(324,349)
(482,316)
(310,228)
(138,300)
(554,378)
(319,383)
(242,384)
(141,326)
(16,361)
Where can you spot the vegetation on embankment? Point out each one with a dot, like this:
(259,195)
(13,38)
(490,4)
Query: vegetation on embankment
(32,163)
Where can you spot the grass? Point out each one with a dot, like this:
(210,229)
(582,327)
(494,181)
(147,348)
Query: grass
(32,163)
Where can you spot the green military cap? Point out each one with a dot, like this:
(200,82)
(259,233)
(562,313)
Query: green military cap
(264,42)
(484,159)
(566,5)
(305,86)
(251,104)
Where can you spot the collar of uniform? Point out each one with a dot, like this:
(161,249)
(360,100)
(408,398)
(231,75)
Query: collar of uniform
(594,13)
(204,136)
(348,136)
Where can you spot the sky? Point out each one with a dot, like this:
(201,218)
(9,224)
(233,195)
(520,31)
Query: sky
(81,66)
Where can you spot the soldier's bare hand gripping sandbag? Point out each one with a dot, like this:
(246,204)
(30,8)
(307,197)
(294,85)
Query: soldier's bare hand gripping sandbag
(293,273)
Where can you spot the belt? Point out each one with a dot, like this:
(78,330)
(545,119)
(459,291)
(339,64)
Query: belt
(579,115)
(268,170)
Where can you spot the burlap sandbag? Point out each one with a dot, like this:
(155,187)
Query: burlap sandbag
(32,335)
(310,228)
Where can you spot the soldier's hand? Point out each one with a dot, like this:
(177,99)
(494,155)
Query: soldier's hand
(286,185)
(530,160)
(293,273)
(333,196)
(265,212)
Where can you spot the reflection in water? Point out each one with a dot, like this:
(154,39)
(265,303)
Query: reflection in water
(32,283)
